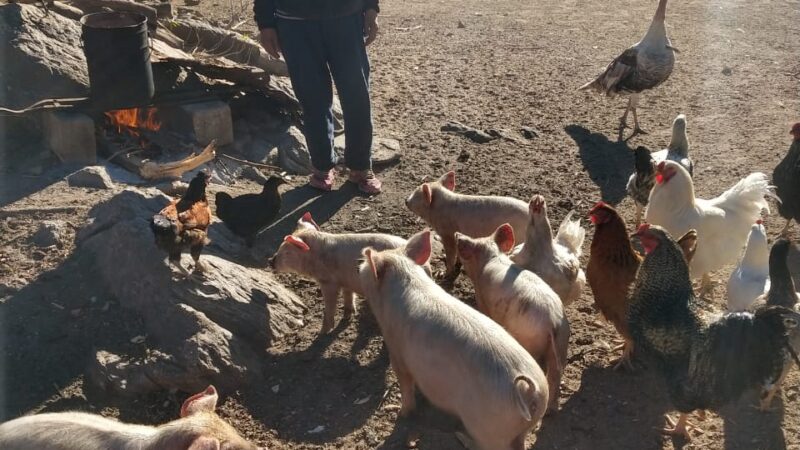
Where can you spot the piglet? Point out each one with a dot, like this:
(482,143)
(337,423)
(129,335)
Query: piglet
(199,428)
(331,260)
(462,361)
(519,301)
(448,212)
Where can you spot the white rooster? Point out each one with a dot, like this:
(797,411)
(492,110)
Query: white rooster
(750,280)
(555,260)
(722,223)
(644,66)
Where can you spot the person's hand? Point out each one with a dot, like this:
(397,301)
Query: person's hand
(370,26)
(269,40)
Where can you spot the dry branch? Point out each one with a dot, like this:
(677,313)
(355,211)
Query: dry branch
(224,43)
(154,171)
(65,10)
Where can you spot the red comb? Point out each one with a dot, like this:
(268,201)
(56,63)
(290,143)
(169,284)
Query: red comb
(645,227)
(599,205)
(661,166)
(759,222)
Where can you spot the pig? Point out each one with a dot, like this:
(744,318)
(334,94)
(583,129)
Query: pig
(462,361)
(331,260)
(519,301)
(448,212)
(199,428)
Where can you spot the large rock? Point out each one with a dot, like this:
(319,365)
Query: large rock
(50,233)
(212,330)
(293,153)
(42,56)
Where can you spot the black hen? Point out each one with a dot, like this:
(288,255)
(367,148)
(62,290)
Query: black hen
(786,177)
(705,364)
(248,214)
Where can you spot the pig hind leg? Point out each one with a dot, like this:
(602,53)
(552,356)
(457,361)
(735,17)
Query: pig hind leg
(407,390)
(554,368)
(330,293)
(349,303)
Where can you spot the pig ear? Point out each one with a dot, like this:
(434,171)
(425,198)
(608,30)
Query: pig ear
(426,191)
(204,443)
(369,256)
(466,249)
(204,401)
(504,238)
(308,221)
(418,247)
(448,180)
(297,242)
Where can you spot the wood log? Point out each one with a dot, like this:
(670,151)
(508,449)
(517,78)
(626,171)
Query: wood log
(65,10)
(156,171)
(229,44)
(89,6)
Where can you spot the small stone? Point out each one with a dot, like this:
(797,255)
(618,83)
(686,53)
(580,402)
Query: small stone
(50,233)
(727,71)
(253,174)
(461,24)
(463,156)
(175,188)
(94,177)
(276,388)
(529,133)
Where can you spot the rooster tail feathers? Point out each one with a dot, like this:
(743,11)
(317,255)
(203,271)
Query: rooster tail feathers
(749,195)
(571,234)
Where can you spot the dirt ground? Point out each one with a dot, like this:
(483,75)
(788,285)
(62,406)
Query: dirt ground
(511,64)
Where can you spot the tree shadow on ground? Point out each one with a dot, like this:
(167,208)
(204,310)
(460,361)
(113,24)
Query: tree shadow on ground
(609,163)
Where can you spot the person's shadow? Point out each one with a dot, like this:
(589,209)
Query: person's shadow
(609,163)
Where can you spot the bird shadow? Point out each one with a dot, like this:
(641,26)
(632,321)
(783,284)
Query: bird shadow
(607,401)
(609,163)
(747,428)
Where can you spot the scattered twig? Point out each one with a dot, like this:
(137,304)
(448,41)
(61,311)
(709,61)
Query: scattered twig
(251,163)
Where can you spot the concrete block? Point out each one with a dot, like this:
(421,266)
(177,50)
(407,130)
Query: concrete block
(70,135)
(207,120)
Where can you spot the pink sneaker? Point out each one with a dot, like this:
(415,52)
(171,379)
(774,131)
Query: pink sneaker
(322,180)
(366,181)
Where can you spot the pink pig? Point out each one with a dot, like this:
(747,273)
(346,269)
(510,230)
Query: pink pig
(199,428)
(462,361)
(331,260)
(448,212)
(519,300)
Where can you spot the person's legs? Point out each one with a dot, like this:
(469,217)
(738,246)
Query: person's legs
(349,65)
(304,48)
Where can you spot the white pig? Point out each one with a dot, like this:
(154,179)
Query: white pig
(462,361)
(518,300)
(448,212)
(199,428)
(330,259)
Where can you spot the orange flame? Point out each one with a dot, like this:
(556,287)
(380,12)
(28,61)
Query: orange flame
(135,119)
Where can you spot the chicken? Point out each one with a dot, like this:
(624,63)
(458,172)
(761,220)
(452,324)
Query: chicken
(556,261)
(705,363)
(644,66)
(183,224)
(750,279)
(722,223)
(613,263)
(643,179)
(781,293)
(786,177)
(248,214)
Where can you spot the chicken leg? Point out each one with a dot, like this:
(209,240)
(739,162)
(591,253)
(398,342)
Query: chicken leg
(679,428)
(627,353)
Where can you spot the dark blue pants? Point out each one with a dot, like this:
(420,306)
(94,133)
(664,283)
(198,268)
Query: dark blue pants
(315,51)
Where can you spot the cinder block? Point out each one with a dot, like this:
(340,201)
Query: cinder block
(70,135)
(207,120)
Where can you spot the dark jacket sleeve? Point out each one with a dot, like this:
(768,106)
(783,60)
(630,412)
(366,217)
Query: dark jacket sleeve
(371,4)
(265,13)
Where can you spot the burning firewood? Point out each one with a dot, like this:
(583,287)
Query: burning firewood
(154,171)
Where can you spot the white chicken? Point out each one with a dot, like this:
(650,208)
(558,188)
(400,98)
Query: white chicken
(722,223)
(555,260)
(750,280)
(644,66)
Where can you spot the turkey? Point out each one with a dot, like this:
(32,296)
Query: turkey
(644,66)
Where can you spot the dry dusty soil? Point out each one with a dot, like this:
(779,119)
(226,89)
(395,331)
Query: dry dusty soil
(500,64)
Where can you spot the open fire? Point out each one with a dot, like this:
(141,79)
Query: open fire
(134,120)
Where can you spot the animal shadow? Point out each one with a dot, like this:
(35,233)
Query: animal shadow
(748,428)
(609,164)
